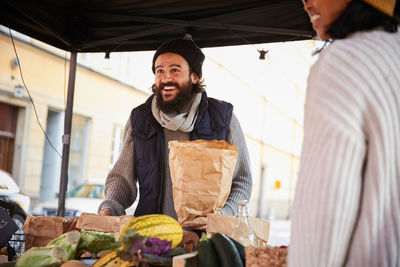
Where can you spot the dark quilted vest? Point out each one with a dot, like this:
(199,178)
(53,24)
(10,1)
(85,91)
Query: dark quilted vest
(212,124)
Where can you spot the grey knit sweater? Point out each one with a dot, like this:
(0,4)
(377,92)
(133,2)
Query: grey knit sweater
(346,210)
(121,187)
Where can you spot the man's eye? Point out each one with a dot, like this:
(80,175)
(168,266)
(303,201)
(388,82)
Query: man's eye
(160,71)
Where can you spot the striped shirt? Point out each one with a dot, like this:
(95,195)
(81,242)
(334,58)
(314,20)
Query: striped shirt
(346,210)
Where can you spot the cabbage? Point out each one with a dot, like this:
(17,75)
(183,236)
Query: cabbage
(42,257)
(69,241)
(150,249)
(94,242)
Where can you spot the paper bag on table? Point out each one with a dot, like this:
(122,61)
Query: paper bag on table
(105,224)
(39,230)
(201,174)
(224,224)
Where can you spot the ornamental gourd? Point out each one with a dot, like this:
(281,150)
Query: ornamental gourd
(112,260)
(159,226)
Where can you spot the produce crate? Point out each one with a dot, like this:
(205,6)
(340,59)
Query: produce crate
(14,247)
(17,242)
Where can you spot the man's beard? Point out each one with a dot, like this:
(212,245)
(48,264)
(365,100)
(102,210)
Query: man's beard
(181,99)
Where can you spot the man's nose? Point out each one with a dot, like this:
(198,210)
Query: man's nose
(167,77)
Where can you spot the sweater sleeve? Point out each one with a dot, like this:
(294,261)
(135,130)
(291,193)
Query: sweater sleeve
(241,181)
(328,190)
(120,187)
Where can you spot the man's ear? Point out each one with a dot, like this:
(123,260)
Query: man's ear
(195,79)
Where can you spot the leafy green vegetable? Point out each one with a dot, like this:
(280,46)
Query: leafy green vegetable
(43,257)
(145,249)
(156,246)
(94,242)
(151,245)
(175,251)
(69,241)
(130,238)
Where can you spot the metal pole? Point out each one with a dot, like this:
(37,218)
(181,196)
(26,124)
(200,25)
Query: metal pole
(260,206)
(67,135)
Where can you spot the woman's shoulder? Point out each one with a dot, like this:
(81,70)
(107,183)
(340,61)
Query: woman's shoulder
(365,42)
(359,50)
(348,67)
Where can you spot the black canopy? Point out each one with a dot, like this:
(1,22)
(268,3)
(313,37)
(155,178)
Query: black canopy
(135,25)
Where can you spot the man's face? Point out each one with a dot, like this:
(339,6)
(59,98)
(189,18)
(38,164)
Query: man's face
(173,85)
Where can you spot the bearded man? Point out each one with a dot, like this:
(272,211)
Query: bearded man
(180,110)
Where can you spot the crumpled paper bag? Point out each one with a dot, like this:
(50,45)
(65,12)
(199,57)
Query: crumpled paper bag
(39,230)
(201,174)
(106,224)
(224,224)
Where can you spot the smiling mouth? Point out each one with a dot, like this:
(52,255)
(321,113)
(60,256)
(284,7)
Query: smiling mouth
(314,17)
(169,88)
(168,92)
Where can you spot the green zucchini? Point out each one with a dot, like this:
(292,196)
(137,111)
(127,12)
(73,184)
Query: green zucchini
(240,249)
(207,255)
(228,255)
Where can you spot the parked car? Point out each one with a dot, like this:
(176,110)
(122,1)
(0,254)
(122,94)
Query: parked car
(84,198)
(10,193)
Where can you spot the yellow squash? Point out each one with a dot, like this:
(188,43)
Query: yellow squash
(112,260)
(160,226)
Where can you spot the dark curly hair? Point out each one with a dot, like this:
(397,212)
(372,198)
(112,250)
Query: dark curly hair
(359,16)
(199,86)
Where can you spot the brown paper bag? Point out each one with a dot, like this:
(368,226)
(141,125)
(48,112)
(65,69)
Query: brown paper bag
(201,174)
(106,224)
(224,224)
(39,230)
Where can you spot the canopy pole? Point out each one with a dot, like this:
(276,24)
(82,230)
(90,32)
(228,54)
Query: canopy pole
(67,135)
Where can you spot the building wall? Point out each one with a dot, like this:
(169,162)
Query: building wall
(104,101)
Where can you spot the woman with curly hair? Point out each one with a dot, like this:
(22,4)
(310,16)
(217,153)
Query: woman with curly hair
(346,210)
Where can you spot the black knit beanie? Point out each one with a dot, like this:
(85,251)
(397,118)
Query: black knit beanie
(187,49)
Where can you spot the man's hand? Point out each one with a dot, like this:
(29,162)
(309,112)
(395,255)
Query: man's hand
(105,212)
(203,227)
(190,239)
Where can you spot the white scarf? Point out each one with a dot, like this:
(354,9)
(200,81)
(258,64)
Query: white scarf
(172,121)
